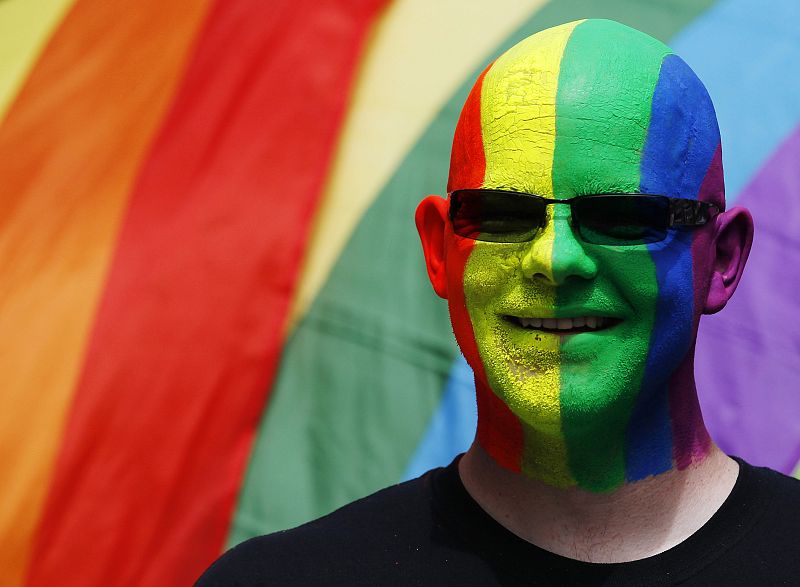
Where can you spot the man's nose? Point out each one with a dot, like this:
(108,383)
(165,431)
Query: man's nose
(557,254)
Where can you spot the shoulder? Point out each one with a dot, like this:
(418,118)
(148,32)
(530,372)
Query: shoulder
(770,515)
(752,540)
(780,492)
(779,488)
(388,524)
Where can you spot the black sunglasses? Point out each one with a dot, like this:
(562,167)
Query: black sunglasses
(500,216)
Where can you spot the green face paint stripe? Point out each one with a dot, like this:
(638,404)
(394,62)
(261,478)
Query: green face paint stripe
(601,128)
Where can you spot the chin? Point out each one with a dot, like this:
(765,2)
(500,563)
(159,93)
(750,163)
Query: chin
(544,386)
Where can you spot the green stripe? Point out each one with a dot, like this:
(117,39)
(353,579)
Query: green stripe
(608,75)
(362,375)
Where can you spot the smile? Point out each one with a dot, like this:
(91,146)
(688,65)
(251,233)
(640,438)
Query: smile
(565,326)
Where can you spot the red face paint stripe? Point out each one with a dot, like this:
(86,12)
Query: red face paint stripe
(499,431)
(468,159)
(191,324)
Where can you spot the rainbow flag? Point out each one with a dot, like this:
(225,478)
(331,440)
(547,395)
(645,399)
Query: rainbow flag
(215,320)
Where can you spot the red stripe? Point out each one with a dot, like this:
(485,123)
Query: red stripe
(467,159)
(499,431)
(191,324)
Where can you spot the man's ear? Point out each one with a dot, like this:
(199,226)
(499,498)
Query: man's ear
(431,219)
(733,235)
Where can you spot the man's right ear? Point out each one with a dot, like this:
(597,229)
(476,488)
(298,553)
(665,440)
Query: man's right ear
(431,219)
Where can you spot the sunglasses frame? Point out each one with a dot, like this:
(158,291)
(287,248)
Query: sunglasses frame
(682,211)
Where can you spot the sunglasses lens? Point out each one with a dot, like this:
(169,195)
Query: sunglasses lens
(499,217)
(622,220)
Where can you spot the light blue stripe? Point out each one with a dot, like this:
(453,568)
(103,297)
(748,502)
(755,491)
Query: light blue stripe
(747,53)
(452,427)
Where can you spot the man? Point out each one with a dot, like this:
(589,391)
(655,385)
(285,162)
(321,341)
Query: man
(584,235)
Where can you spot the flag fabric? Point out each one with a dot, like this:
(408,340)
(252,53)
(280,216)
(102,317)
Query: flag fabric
(215,320)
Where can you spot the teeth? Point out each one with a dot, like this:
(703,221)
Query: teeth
(592,322)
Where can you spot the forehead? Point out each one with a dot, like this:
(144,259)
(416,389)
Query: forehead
(593,107)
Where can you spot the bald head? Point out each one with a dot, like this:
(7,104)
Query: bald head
(589,107)
(582,347)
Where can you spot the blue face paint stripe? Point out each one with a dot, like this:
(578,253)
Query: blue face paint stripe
(649,435)
(682,136)
(681,141)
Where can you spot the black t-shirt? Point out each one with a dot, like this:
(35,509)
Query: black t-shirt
(429,531)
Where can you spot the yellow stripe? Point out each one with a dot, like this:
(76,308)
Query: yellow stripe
(419,54)
(518,113)
(518,120)
(25,27)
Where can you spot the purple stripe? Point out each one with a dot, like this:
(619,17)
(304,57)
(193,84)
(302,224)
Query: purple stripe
(689,436)
(748,356)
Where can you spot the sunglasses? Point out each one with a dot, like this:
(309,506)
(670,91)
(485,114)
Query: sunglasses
(500,216)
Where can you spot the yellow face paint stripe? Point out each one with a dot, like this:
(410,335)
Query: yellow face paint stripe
(518,119)
(518,113)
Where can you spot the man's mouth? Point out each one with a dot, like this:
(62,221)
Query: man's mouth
(564,326)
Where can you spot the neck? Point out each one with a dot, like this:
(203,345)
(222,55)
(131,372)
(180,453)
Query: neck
(634,521)
(660,431)
(527,480)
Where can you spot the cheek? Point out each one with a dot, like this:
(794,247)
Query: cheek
(489,272)
(629,277)
(457,256)
(676,306)
(481,274)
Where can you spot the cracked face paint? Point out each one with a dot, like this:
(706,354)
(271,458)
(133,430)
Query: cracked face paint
(587,107)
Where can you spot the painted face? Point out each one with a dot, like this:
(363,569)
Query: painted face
(584,108)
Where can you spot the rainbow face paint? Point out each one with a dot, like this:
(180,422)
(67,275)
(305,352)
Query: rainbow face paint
(587,107)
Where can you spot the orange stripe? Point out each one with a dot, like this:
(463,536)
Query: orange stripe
(191,324)
(69,149)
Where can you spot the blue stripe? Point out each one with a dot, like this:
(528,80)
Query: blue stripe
(747,53)
(452,427)
(682,136)
(680,145)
